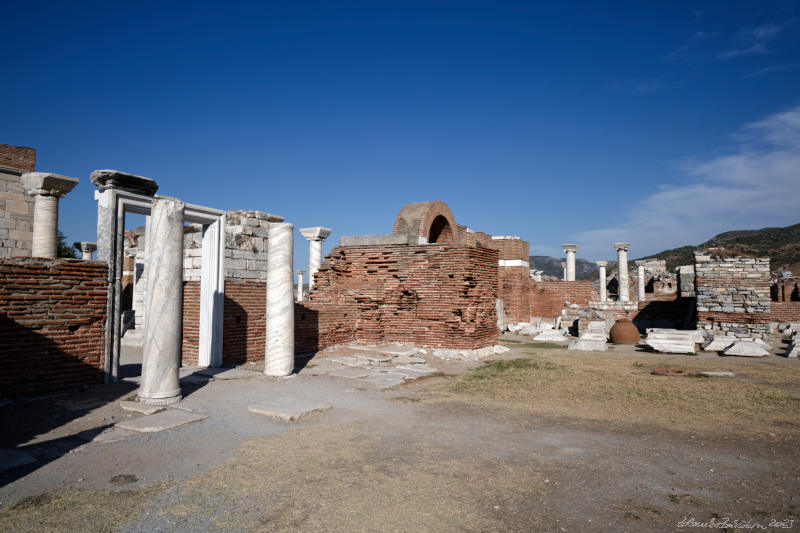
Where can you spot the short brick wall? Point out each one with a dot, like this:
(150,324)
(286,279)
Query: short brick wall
(784,312)
(548,298)
(52,324)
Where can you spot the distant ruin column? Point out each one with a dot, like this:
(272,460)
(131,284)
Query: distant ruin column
(46,189)
(601,265)
(300,284)
(279,351)
(563,272)
(315,236)
(640,280)
(86,249)
(569,250)
(622,266)
(164,307)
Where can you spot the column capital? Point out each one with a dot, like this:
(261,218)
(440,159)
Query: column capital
(47,184)
(570,248)
(316,233)
(602,264)
(618,246)
(640,263)
(115,179)
(300,272)
(563,265)
(87,247)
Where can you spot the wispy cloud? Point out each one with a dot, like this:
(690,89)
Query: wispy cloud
(753,41)
(772,68)
(750,186)
(639,86)
(694,41)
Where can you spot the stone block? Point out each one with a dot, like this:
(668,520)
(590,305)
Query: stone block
(745,349)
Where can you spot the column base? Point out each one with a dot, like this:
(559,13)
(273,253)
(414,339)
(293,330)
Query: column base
(160,401)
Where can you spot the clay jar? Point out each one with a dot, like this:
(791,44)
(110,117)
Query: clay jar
(624,332)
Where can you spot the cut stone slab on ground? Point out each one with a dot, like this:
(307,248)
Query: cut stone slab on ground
(288,409)
(228,373)
(169,419)
(745,349)
(139,407)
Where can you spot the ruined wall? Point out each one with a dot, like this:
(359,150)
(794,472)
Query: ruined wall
(785,295)
(514,277)
(16,208)
(733,294)
(430,295)
(548,298)
(52,323)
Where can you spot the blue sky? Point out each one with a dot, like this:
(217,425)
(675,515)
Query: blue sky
(662,124)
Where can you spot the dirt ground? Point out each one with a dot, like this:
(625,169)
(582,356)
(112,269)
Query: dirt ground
(540,439)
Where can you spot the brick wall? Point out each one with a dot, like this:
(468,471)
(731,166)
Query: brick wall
(190,333)
(431,295)
(244,321)
(784,312)
(52,323)
(733,294)
(548,298)
(19,157)
(510,248)
(514,289)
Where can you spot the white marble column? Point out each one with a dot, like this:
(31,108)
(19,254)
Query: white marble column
(279,351)
(569,250)
(315,236)
(300,284)
(640,280)
(86,249)
(622,266)
(46,189)
(563,272)
(164,306)
(601,266)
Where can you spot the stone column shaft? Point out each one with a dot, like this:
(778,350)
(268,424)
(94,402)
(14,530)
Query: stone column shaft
(622,266)
(300,285)
(601,265)
(164,306)
(569,250)
(640,286)
(563,272)
(279,351)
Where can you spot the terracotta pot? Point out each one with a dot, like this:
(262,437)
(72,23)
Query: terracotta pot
(624,332)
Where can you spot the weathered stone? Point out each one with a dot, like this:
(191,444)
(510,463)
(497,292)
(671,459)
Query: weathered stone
(115,179)
(169,419)
(139,407)
(288,409)
(745,349)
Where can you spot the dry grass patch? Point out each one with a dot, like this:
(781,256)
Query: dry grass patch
(619,388)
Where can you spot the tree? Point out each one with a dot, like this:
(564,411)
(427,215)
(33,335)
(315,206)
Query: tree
(64,249)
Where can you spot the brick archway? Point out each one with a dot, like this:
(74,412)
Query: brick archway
(432,220)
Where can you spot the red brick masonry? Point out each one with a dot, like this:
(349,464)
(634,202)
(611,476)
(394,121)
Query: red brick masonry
(52,321)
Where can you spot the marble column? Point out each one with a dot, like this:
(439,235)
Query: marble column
(279,351)
(563,272)
(640,280)
(164,307)
(46,189)
(622,266)
(315,236)
(300,284)
(86,249)
(569,250)
(601,266)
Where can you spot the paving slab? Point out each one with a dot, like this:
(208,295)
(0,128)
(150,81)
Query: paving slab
(385,380)
(349,361)
(352,372)
(14,458)
(409,360)
(717,374)
(169,419)
(385,349)
(288,409)
(228,373)
(139,407)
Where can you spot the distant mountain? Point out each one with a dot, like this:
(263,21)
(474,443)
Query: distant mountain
(781,245)
(552,266)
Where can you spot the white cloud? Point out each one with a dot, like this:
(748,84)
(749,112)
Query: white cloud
(752,186)
(772,68)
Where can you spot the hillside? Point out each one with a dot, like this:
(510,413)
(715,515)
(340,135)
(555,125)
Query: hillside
(552,266)
(781,245)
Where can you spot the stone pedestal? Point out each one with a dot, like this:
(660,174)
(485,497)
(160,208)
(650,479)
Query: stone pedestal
(300,284)
(315,236)
(46,189)
(164,306)
(622,266)
(86,249)
(569,250)
(640,280)
(601,266)
(279,352)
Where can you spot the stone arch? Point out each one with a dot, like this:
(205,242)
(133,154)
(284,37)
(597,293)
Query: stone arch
(431,220)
